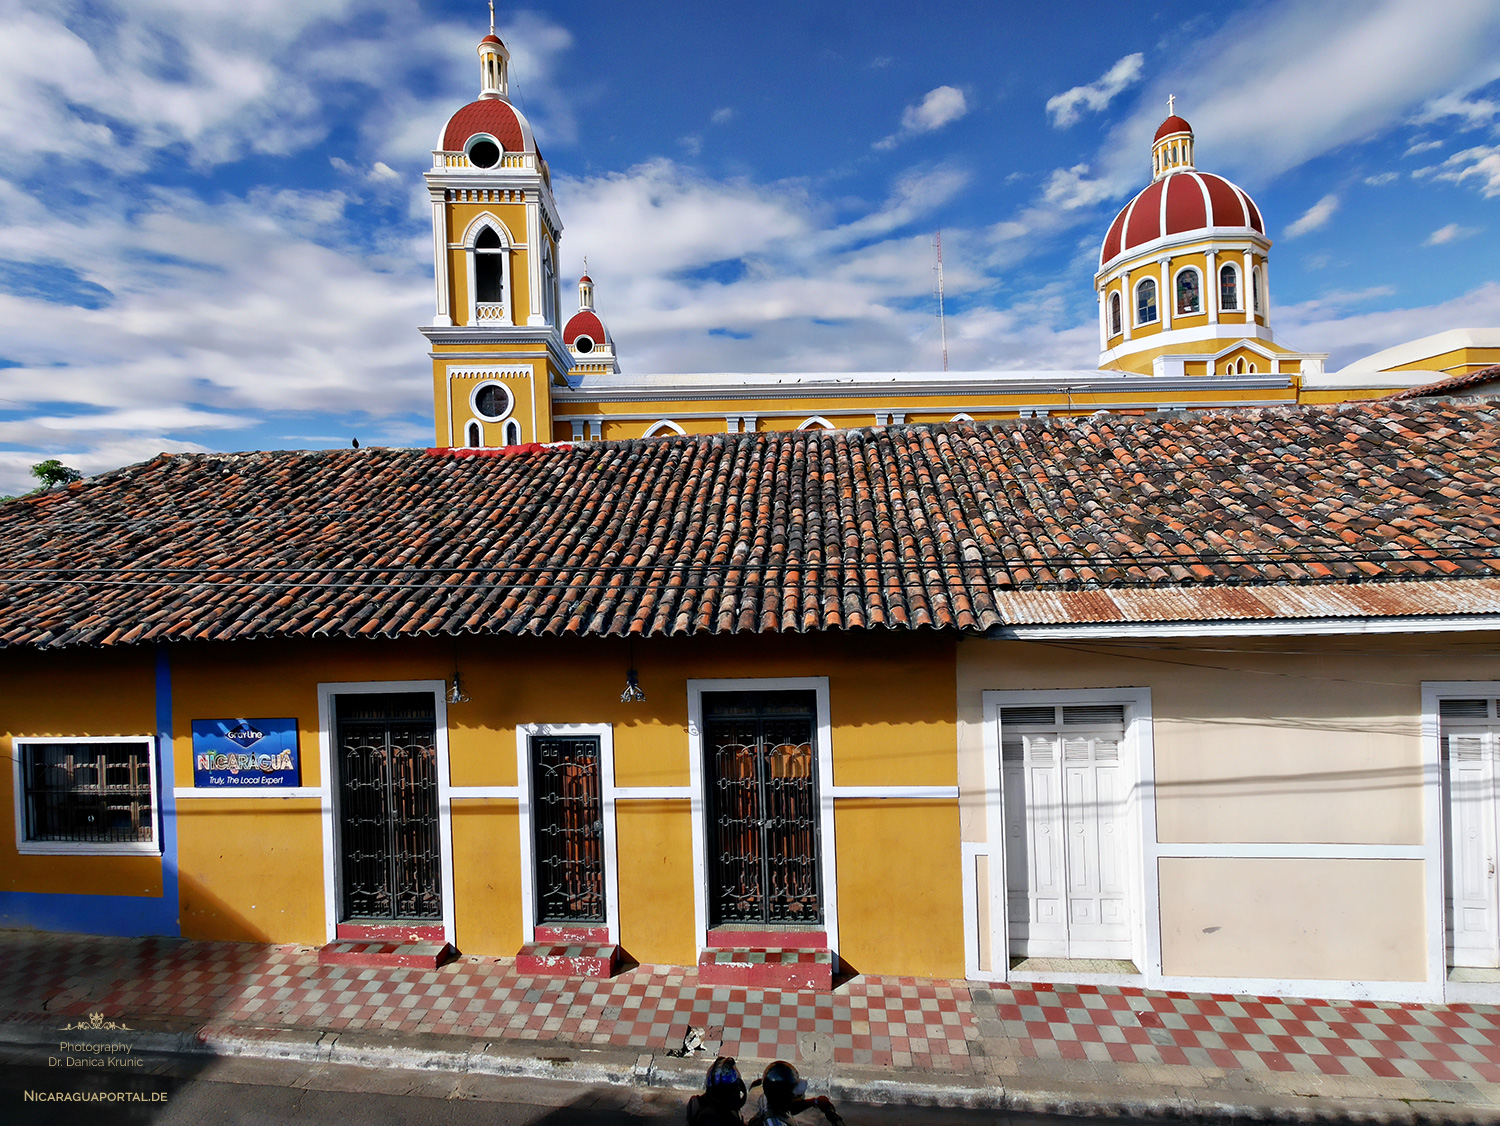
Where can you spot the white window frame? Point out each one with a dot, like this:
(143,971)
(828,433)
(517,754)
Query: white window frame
(1201,309)
(1435,843)
(510,432)
(85,848)
(663,426)
(1145,914)
(1135,305)
(506,252)
(332,892)
(826,793)
(474,429)
(605,733)
(1116,314)
(474,401)
(492,139)
(1239,289)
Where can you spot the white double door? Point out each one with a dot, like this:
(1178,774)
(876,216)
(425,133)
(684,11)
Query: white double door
(1066,797)
(1470,739)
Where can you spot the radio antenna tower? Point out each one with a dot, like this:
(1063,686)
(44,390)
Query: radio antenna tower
(937,246)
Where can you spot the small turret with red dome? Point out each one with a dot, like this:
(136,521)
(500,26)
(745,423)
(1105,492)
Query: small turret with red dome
(489,127)
(592,347)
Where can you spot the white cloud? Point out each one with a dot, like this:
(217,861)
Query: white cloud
(1382,178)
(1481,164)
(1314,217)
(941,106)
(1067,108)
(722,116)
(1348,337)
(1422,146)
(1450,233)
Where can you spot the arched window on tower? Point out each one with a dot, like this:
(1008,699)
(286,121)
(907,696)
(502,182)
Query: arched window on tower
(1229,289)
(1114,314)
(473,436)
(1145,302)
(489,276)
(512,432)
(1189,292)
(1255,294)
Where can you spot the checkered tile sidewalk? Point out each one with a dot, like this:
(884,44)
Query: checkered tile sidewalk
(870,1021)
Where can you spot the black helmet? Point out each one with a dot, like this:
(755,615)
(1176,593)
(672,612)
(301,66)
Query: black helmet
(782,1084)
(724,1084)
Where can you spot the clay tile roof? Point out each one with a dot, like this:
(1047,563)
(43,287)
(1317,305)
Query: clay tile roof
(1356,509)
(1453,385)
(487,115)
(585,322)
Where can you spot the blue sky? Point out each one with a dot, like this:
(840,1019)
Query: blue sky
(213,231)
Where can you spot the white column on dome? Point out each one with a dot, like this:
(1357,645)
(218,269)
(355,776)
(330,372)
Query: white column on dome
(1265,291)
(1247,288)
(1211,287)
(534,257)
(1127,301)
(1103,323)
(440,258)
(1166,299)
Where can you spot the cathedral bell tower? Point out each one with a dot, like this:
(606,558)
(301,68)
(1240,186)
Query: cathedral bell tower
(495,342)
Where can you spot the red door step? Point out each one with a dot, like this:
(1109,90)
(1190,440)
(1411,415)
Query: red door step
(421,955)
(768,969)
(390,932)
(564,959)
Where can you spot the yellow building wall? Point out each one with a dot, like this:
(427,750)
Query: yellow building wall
(893,719)
(251,868)
(85,693)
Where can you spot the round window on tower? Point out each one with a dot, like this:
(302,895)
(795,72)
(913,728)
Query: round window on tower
(484,153)
(492,401)
(583,344)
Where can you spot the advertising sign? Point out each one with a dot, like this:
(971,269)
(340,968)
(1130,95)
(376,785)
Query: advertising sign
(234,753)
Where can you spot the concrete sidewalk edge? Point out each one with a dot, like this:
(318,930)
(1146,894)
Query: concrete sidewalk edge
(573,1063)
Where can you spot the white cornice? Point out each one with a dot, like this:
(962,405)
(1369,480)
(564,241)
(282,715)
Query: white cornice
(548,339)
(560,397)
(996,383)
(1231,334)
(1223,238)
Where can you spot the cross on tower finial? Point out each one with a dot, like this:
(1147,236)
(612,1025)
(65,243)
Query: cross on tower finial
(1171,98)
(585,263)
(492,17)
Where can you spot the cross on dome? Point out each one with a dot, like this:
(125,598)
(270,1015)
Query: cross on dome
(1171,98)
(492,17)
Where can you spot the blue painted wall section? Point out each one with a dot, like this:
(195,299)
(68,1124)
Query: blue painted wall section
(121,916)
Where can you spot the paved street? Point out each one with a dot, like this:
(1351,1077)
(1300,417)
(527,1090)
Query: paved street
(265,1092)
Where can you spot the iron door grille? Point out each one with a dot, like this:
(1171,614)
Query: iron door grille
(388,810)
(567,829)
(763,808)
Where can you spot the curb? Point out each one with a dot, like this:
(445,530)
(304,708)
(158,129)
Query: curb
(626,1067)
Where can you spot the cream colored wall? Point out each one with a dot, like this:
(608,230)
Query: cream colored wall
(1297,741)
(1293,920)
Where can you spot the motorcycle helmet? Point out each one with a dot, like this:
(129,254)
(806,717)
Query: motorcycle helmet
(782,1084)
(724,1084)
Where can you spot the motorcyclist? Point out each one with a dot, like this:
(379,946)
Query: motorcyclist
(782,1097)
(723,1095)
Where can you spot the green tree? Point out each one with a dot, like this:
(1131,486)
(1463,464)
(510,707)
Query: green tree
(53,472)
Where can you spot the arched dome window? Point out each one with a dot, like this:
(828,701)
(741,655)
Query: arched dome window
(1145,302)
(1114,314)
(1189,292)
(1255,294)
(512,432)
(1229,289)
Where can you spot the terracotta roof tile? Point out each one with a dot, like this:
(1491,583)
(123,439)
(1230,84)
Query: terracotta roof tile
(1453,385)
(907,527)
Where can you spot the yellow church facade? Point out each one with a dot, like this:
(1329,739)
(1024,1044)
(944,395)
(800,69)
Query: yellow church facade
(1183,289)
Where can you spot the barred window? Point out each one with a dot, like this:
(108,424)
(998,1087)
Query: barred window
(87,795)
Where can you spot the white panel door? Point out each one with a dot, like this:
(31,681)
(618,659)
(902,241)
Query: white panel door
(1065,833)
(1469,747)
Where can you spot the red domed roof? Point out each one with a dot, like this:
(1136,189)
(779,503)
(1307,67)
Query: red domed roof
(1173,124)
(585,322)
(488,115)
(492,38)
(585,280)
(1177,204)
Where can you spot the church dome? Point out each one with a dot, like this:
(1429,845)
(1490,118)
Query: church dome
(585,322)
(493,116)
(1180,203)
(1172,124)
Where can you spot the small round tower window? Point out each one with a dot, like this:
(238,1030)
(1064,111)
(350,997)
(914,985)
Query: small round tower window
(492,402)
(583,344)
(484,154)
